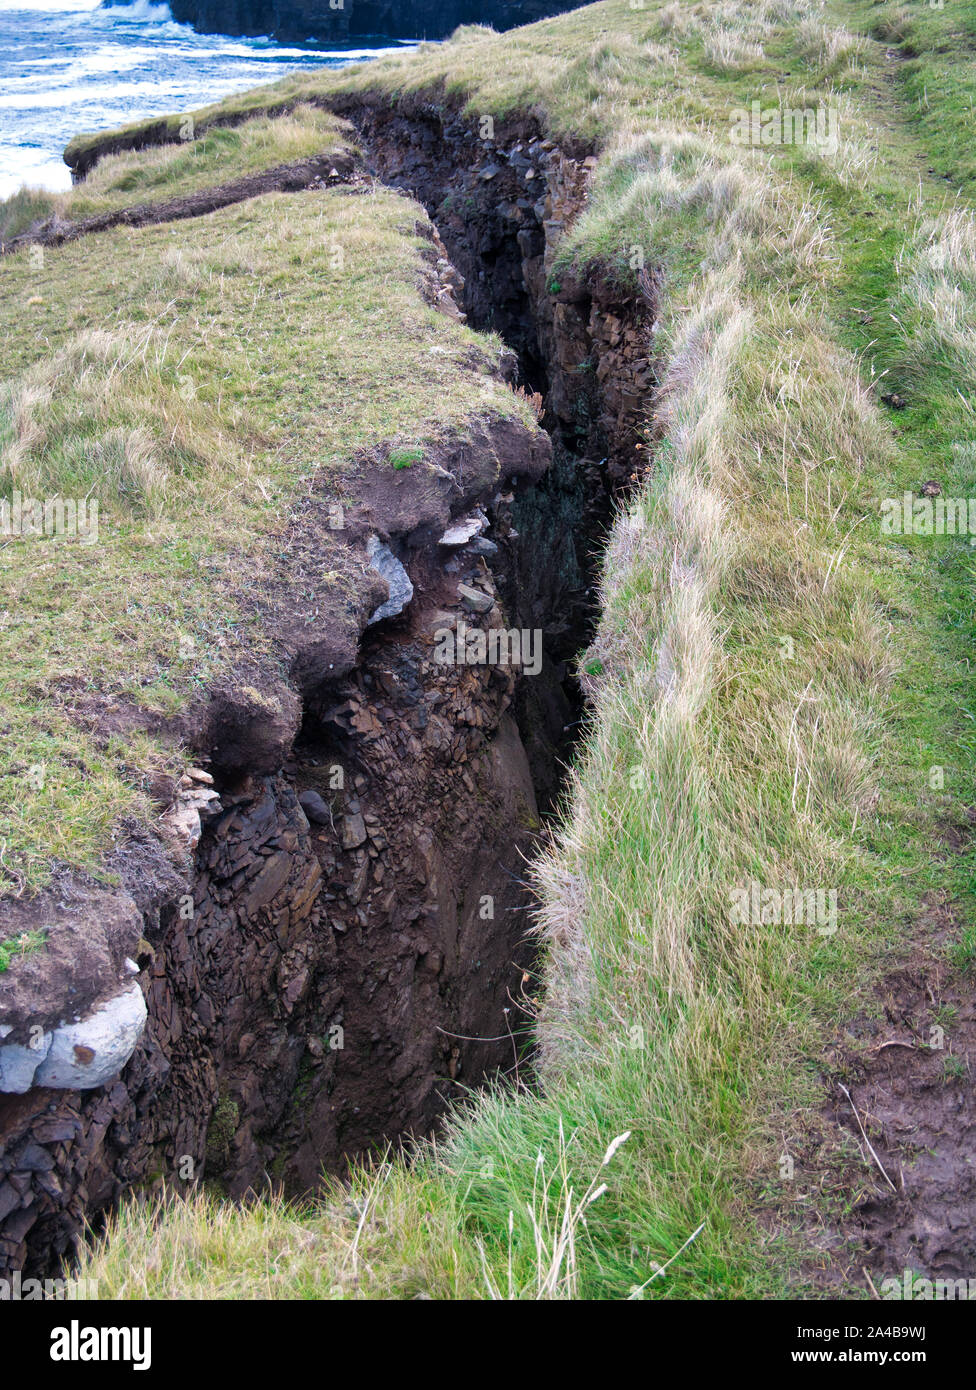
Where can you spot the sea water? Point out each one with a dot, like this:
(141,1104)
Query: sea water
(68,66)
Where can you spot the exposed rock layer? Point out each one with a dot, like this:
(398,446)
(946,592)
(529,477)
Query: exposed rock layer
(502,202)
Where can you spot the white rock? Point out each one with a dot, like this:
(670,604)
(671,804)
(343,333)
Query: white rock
(19,1063)
(202,799)
(87,1054)
(183,817)
(464,530)
(184,821)
(194,775)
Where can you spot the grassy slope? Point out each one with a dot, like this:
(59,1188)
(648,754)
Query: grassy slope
(217,155)
(257,102)
(235,361)
(773,681)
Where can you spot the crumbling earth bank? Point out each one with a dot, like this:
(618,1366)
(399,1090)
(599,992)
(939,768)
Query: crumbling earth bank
(315,982)
(333,944)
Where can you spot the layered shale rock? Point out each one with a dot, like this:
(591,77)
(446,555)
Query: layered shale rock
(502,204)
(503,197)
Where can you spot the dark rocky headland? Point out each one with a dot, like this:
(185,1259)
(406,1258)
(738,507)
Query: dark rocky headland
(294,20)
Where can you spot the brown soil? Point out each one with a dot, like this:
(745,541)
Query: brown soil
(908,1066)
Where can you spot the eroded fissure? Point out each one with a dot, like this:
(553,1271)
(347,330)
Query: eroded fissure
(356,954)
(426,784)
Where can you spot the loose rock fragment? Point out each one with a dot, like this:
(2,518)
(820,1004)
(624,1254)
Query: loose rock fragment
(353,831)
(475,599)
(388,567)
(314,807)
(464,530)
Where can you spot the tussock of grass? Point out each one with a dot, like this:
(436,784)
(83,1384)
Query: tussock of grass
(827,49)
(90,420)
(652,189)
(939,292)
(22,209)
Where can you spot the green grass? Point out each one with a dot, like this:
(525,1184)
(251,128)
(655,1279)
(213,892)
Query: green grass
(23,209)
(934,75)
(405,458)
(271,99)
(774,680)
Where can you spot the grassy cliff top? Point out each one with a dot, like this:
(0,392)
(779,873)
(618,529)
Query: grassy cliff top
(259,101)
(209,157)
(781,688)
